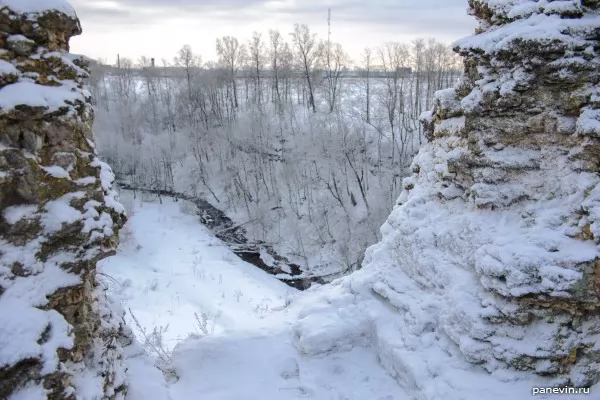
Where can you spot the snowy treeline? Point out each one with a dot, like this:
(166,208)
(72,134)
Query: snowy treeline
(276,134)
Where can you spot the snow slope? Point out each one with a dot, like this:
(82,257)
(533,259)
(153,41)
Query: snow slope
(342,341)
(169,267)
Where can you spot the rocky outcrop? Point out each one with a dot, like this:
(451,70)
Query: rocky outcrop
(515,149)
(59,336)
(486,282)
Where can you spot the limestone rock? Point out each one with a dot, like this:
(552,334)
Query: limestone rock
(516,142)
(58,215)
(486,282)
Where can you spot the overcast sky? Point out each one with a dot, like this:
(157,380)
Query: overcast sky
(158,28)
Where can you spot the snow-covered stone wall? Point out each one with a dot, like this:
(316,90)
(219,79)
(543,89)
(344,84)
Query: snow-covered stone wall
(59,336)
(510,187)
(515,152)
(488,273)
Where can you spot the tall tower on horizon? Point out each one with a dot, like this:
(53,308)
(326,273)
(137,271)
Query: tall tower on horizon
(329,26)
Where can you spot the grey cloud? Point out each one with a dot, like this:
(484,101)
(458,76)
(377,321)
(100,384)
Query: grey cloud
(177,6)
(103,14)
(421,17)
(426,14)
(191,3)
(93,13)
(142,12)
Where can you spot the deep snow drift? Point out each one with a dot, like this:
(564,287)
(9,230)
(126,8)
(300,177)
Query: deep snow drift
(169,267)
(339,341)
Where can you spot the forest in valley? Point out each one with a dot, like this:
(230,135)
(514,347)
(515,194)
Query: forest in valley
(297,143)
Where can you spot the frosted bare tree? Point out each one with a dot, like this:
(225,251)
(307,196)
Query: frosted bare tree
(367,60)
(188,61)
(394,58)
(307,54)
(418,49)
(275,53)
(257,54)
(126,97)
(286,68)
(232,55)
(150,82)
(335,61)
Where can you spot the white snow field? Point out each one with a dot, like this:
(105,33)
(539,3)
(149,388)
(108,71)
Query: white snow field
(169,268)
(263,340)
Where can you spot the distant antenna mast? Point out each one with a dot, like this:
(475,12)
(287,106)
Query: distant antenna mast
(329,25)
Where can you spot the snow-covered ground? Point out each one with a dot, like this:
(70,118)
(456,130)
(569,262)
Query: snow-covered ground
(169,268)
(264,340)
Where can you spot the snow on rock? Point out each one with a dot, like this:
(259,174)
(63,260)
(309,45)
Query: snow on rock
(56,171)
(487,276)
(330,323)
(7,68)
(106,180)
(59,212)
(502,10)
(30,392)
(59,335)
(588,122)
(19,336)
(34,95)
(14,214)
